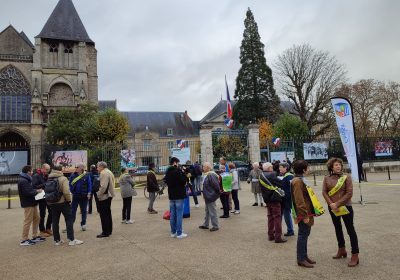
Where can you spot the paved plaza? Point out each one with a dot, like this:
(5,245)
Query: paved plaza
(239,250)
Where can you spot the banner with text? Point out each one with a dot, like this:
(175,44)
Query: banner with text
(344,120)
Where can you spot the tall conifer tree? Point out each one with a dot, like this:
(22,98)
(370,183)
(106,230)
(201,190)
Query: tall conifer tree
(255,93)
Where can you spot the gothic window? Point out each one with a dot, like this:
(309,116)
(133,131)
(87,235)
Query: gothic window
(15,98)
(53,58)
(53,48)
(68,48)
(68,53)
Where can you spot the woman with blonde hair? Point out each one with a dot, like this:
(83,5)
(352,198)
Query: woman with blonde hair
(337,191)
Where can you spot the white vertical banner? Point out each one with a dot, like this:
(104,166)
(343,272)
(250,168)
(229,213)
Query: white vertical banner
(344,120)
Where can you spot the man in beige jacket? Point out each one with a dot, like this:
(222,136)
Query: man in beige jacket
(62,206)
(105,195)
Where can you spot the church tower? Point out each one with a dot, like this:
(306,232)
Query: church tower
(64,72)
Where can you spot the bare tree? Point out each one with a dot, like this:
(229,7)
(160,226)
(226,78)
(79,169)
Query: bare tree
(310,78)
(376,106)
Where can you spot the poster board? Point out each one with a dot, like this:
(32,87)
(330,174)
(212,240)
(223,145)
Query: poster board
(315,150)
(12,162)
(68,159)
(128,158)
(182,154)
(384,148)
(281,156)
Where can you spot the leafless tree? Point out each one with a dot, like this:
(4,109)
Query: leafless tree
(376,106)
(310,78)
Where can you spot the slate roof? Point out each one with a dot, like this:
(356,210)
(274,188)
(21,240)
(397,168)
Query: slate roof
(64,23)
(105,104)
(26,39)
(181,124)
(220,109)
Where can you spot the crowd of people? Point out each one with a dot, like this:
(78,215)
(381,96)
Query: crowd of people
(283,193)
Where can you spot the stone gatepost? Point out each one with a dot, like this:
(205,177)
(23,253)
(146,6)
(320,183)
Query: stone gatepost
(206,144)
(254,143)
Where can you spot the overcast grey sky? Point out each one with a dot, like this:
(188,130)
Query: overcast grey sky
(158,55)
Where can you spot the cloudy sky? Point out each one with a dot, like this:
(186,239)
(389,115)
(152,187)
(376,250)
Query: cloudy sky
(157,55)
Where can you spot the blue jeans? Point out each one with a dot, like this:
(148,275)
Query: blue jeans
(302,238)
(82,201)
(176,212)
(287,214)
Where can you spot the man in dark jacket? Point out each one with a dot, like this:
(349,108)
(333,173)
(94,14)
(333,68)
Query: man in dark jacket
(27,199)
(38,181)
(176,181)
(211,193)
(272,195)
(287,177)
(80,186)
(152,188)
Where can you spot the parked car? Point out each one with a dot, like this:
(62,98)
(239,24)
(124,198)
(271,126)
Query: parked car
(142,170)
(162,169)
(243,169)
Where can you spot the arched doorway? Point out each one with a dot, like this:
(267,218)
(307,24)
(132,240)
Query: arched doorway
(14,153)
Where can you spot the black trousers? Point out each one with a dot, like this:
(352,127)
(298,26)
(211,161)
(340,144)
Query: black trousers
(235,198)
(348,222)
(65,209)
(105,216)
(91,201)
(126,208)
(42,208)
(225,203)
(193,191)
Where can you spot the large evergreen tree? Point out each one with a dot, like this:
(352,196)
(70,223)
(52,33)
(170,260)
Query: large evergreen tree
(254,84)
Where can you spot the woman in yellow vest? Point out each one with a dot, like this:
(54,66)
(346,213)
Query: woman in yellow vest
(337,191)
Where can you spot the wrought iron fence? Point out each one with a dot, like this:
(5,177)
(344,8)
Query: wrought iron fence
(132,155)
(370,149)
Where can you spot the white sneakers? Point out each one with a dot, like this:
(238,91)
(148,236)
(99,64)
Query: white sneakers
(173,235)
(75,242)
(183,235)
(197,206)
(83,228)
(129,222)
(123,222)
(58,243)
(236,212)
(71,243)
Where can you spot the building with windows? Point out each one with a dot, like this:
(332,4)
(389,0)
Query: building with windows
(155,135)
(58,71)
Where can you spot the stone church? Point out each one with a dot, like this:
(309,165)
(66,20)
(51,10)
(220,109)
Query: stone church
(58,71)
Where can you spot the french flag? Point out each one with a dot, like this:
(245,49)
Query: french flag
(276,141)
(180,143)
(229,112)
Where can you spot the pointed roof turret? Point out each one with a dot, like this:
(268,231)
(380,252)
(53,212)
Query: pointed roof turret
(64,23)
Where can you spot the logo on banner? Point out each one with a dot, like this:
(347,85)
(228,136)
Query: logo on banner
(181,143)
(342,109)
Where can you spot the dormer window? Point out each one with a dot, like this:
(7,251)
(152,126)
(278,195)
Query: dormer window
(170,132)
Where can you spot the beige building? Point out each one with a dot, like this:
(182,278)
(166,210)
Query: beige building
(58,71)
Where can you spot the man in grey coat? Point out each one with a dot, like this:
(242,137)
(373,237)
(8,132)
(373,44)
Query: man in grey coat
(211,193)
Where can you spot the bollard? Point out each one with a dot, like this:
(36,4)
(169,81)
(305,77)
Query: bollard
(389,173)
(9,198)
(315,181)
(365,175)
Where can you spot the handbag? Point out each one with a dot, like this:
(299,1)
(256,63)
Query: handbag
(167,215)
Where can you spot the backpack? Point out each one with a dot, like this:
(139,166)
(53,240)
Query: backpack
(52,191)
(96,183)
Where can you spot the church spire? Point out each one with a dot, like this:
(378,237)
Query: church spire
(64,23)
